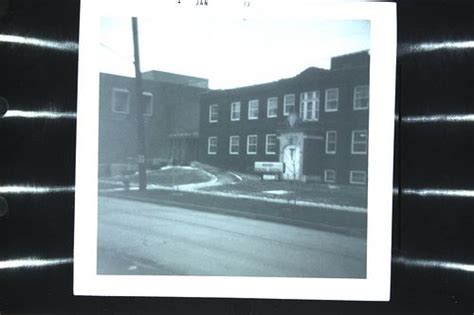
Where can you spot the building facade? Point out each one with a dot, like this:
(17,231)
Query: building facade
(316,123)
(170,114)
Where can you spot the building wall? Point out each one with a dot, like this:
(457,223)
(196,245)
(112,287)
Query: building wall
(347,73)
(224,128)
(175,115)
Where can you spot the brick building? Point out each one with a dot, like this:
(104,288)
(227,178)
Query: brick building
(316,123)
(171,119)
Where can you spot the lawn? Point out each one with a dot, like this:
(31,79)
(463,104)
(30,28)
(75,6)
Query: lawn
(175,176)
(169,176)
(232,184)
(311,192)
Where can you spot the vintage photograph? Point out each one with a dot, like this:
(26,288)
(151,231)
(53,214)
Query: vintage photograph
(235,147)
(248,159)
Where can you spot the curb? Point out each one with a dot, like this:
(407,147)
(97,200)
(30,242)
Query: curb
(360,233)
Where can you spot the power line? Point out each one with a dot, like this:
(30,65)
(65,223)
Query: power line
(128,59)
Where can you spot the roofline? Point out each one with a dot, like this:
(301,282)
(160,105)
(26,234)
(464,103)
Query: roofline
(352,53)
(177,74)
(260,85)
(153,81)
(265,84)
(133,77)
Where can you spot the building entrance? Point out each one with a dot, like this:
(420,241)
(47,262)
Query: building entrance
(292,160)
(291,154)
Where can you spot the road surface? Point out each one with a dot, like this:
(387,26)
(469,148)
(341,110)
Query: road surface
(143,238)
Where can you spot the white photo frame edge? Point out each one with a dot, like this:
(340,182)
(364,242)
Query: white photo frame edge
(376,287)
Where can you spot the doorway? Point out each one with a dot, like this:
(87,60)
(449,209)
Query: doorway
(292,160)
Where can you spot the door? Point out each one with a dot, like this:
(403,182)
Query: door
(292,160)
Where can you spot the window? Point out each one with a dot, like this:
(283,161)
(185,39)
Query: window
(271,144)
(272,107)
(309,106)
(212,145)
(120,101)
(213,113)
(288,104)
(253,109)
(235,111)
(358,177)
(332,100)
(361,97)
(331,142)
(252,144)
(329,176)
(148,104)
(234,145)
(359,142)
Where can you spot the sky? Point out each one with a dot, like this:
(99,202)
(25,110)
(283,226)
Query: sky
(230,52)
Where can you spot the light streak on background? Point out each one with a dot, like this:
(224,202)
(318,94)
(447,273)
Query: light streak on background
(33,262)
(435,46)
(442,118)
(439,192)
(26,189)
(435,264)
(67,46)
(39,114)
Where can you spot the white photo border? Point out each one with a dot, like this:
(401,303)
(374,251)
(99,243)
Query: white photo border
(376,287)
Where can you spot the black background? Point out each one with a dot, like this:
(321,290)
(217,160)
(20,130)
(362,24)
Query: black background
(41,152)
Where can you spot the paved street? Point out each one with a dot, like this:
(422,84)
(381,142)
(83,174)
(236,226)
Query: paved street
(143,238)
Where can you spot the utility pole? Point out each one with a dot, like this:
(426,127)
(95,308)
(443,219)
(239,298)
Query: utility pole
(139,109)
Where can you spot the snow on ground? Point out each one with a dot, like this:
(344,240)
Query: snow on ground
(282,201)
(222,179)
(118,181)
(249,197)
(239,178)
(194,188)
(171,167)
(277,192)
